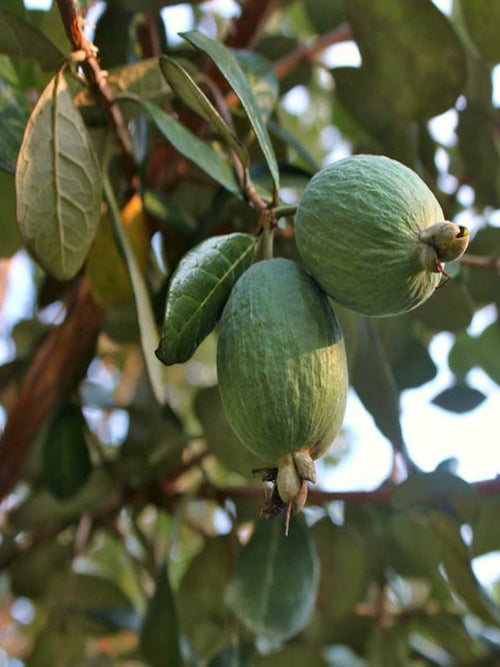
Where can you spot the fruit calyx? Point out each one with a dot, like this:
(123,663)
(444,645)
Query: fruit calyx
(441,242)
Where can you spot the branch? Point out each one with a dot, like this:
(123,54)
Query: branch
(96,78)
(59,363)
(248,26)
(482,261)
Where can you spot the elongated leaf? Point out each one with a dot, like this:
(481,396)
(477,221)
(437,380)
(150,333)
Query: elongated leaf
(457,564)
(412,53)
(20,39)
(145,316)
(160,631)
(275,581)
(261,77)
(231,70)
(9,234)
(13,116)
(192,95)
(459,398)
(193,148)
(483,23)
(57,184)
(198,291)
(66,460)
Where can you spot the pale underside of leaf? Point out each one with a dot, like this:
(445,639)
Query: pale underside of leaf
(57,184)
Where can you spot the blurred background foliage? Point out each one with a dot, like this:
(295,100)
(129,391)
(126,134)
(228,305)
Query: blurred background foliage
(129,530)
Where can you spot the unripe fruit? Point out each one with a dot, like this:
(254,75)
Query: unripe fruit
(373,235)
(282,370)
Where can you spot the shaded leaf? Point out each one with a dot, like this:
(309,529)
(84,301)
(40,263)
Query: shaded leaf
(484,285)
(456,558)
(275,580)
(10,240)
(66,460)
(388,646)
(450,308)
(374,383)
(20,39)
(360,95)
(412,53)
(487,528)
(260,75)
(232,656)
(231,70)
(198,291)
(193,148)
(159,639)
(483,24)
(325,15)
(345,569)
(275,46)
(57,184)
(145,315)
(113,36)
(13,115)
(191,94)
(459,398)
(202,612)
(294,654)
(441,490)
(221,439)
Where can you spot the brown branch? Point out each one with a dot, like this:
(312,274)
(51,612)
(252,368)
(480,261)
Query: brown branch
(59,363)
(96,78)
(248,26)
(482,261)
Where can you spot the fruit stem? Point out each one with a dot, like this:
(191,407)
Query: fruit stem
(265,246)
(284,211)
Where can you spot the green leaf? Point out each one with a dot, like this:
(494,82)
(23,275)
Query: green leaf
(145,315)
(442,490)
(484,285)
(459,398)
(260,74)
(66,460)
(232,656)
(345,569)
(374,382)
(159,639)
(487,528)
(450,308)
(198,291)
(193,148)
(57,184)
(295,654)
(275,580)
(232,72)
(412,53)
(325,15)
(275,46)
(9,233)
(191,94)
(221,439)
(456,559)
(20,39)
(202,612)
(482,19)
(13,115)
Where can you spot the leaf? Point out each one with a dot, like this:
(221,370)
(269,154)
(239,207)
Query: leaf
(441,490)
(459,398)
(484,286)
(9,234)
(231,70)
(145,315)
(374,383)
(264,85)
(198,291)
(275,46)
(202,612)
(232,656)
(193,148)
(57,184)
(412,53)
(13,116)
(295,654)
(487,528)
(457,564)
(221,439)
(20,39)
(192,95)
(66,460)
(483,20)
(159,638)
(275,580)
(450,308)
(325,15)
(345,569)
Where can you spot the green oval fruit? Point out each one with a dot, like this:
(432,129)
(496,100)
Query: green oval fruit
(282,369)
(373,235)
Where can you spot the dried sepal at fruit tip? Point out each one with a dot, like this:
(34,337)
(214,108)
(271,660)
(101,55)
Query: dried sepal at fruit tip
(447,241)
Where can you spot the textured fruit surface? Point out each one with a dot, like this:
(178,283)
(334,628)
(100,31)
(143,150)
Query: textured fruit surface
(281,363)
(358,228)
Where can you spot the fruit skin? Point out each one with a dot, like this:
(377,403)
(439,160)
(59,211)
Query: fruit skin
(282,369)
(364,230)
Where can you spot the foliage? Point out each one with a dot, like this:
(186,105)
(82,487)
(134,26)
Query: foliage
(136,166)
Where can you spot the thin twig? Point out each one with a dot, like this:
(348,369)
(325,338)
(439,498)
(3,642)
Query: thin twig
(489,262)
